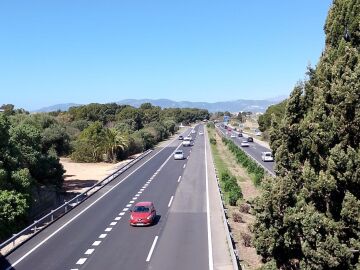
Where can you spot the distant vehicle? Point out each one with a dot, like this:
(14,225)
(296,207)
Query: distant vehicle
(240,135)
(193,131)
(179,154)
(142,214)
(233,135)
(267,156)
(186,141)
(250,139)
(181,137)
(258,133)
(245,143)
(201,133)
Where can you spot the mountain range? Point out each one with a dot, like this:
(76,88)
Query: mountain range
(231,106)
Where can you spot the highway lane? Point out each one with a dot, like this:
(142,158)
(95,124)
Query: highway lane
(254,149)
(66,248)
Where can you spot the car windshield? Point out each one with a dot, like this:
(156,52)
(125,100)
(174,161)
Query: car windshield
(141,209)
(178,152)
(268,154)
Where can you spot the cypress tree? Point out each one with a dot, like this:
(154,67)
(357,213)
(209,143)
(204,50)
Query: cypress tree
(308,217)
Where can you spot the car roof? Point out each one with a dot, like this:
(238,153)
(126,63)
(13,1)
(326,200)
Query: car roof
(144,204)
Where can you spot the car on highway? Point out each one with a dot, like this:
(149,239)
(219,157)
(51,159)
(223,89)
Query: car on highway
(267,156)
(232,135)
(201,133)
(179,154)
(258,133)
(193,131)
(181,137)
(250,139)
(240,135)
(186,141)
(142,214)
(245,143)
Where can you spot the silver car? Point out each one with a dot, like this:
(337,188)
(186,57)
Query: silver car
(179,154)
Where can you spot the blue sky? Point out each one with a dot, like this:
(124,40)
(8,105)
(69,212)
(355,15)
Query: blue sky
(101,51)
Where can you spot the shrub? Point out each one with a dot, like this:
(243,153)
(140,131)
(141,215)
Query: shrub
(237,217)
(244,208)
(246,239)
(213,141)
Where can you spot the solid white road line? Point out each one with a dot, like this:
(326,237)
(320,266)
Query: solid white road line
(211,261)
(85,209)
(81,261)
(96,243)
(152,249)
(179,178)
(171,199)
(89,251)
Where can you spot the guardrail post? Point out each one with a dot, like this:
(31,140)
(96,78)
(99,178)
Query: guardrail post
(13,242)
(35,227)
(52,215)
(65,206)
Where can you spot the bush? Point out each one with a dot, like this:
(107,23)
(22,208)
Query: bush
(213,141)
(244,208)
(246,239)
(237,217)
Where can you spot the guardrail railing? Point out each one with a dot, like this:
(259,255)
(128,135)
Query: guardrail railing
(55,214)
(222,134)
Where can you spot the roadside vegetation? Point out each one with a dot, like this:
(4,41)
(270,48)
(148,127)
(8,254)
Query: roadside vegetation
(31,144)
(308,217)
(234,178)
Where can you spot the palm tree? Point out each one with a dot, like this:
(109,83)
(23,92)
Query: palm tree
(113,143)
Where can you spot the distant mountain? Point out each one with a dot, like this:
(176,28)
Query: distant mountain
(62,107)
(231,106)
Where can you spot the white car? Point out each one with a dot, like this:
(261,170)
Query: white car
(201,133)
(233,136)
(267,156)
(179,154)
(245,144)
(193,131)
(186,142)
(258,133)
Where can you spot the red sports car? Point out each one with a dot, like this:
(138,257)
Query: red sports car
(142,214)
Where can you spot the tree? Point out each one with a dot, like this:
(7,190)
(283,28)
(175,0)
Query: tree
(309,217)
(114,144)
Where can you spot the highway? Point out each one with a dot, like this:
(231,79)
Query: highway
(97,235)
(253,150)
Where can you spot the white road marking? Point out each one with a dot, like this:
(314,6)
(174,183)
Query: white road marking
(137,195)
(184,166)
(145,186)
(96,243)
(171,199)
(85,209)
(125,209)
(188,157)
(179,178)
(102,236)
(139,192)
(152,249)
(122,213)
(117,218)
(131,201)
(211,261)
(81,261)
(108,229)
(129,205)
(142,189)
(89,251)
(134,198)
(113,223)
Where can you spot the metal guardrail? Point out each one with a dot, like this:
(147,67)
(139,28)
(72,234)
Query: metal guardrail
(222,134)
(55,214)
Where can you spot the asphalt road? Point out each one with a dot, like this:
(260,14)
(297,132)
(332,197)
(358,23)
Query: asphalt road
(97,235)
(254,149)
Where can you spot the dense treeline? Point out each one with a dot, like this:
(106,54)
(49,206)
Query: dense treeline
(30,146)
(275,112)
(308,217)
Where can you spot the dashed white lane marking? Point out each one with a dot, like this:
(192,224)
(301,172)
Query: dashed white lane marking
(108,229)
(96,243)
(81,261)
(129,205)
(122,213)
(188,157)
(74,269)
(184,166)
(102,235)
(137,195)
(171,199)
(89,251)
(131,201)
(125,209)
(142,189)
(134,198)
(152,249)
(179,178)
(117,218)
(113,223)
(139,192)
